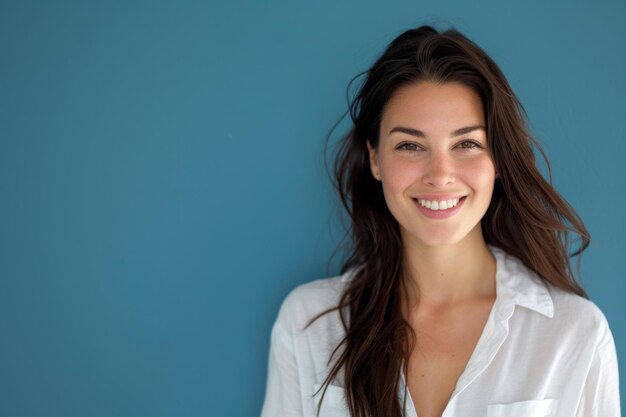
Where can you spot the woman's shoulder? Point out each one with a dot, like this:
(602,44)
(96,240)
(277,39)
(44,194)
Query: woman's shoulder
(569,314)
(308,300)
(569,307)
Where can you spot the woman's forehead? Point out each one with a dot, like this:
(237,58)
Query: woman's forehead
(431,107)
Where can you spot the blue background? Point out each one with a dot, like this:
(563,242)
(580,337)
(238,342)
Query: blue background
(162,183)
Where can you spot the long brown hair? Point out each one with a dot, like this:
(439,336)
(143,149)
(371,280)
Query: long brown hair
(526,217)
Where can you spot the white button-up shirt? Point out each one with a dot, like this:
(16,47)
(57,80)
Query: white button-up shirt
(543,352)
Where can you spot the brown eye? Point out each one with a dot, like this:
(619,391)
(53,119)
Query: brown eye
(408,146)
(469,144)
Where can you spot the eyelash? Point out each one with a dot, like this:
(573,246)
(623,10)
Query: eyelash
(403,146)
(476,144)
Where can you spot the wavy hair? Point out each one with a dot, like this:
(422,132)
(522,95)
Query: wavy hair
(526,217)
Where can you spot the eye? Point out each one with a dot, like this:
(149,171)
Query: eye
(469,144)
(408,146)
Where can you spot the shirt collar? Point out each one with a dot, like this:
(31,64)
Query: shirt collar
(515,283)
(518,284)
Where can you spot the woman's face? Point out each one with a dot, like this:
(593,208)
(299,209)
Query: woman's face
(434,163)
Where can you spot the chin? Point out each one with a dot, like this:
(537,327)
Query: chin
(438,238)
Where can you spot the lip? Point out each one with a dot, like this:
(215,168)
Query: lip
(439,197)
(439,214)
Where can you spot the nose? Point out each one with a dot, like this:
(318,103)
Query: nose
(439,170)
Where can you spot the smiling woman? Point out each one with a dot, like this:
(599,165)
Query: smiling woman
(458,298)
(437,163)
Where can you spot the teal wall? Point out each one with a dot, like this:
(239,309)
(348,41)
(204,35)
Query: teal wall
(162,184)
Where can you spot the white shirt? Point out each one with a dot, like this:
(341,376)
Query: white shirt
(543,352)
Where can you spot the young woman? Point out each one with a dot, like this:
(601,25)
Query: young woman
(458,297)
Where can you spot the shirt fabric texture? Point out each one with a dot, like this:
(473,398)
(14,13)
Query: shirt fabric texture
(543,352)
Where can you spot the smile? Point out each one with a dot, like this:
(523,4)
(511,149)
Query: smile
(439,205)
(439,209)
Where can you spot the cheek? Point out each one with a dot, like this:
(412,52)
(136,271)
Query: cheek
(398,175)
(481,173)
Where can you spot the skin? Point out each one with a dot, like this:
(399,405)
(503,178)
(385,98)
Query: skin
(446,259)
(450,270)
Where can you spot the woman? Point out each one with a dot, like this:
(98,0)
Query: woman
(458,298)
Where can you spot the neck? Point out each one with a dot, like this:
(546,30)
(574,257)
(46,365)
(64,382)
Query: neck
(452,274)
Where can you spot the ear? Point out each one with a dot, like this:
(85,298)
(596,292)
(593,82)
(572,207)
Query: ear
(373,156)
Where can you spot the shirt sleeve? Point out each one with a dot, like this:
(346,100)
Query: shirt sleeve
(600,396)
(282,397)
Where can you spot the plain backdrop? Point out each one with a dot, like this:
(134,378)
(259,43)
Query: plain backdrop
(162,183)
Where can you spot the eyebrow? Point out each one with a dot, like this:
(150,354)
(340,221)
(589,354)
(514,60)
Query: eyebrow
(420,134)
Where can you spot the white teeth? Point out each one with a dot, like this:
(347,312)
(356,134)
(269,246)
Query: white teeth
(439,205)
